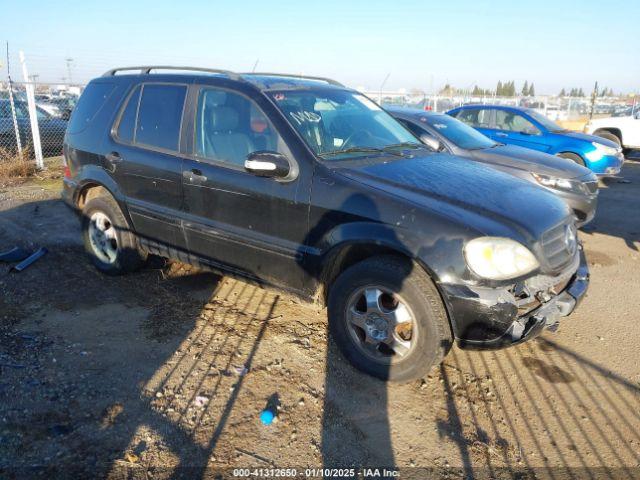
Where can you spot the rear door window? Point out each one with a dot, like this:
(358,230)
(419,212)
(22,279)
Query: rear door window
(160,116)
(476,117)
(91,101)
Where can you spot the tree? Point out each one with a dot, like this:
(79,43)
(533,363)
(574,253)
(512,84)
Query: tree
(499,89)
(563,93)
(525,89)
(581,93)
(532,92)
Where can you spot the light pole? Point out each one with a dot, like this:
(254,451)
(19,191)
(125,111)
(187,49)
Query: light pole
(69,62)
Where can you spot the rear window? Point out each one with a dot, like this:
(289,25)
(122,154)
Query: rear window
(91,101)
(160,116)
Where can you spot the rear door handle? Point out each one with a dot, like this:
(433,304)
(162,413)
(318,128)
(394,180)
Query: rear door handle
(502,134)
(113,157)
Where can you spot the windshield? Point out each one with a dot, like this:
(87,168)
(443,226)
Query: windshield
(340,124)
(545,122)
(457,132)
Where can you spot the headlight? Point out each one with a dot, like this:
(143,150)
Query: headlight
(498,258)
(600,151)
(558,183)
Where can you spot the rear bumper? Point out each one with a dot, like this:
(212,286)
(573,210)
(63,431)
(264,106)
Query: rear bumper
(69,187)
(491,319)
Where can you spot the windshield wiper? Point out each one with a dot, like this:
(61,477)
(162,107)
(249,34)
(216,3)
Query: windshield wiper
(360,150)
(405,145)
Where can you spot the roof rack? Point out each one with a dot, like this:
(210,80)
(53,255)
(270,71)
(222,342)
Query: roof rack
(304,77)
(146,69)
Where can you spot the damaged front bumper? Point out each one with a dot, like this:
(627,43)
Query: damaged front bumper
(489,318)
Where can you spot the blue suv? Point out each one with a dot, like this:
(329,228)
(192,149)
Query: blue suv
(530,129)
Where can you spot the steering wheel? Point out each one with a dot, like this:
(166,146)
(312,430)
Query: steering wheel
(359,133)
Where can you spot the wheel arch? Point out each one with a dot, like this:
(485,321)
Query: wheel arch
(612,130)
(346,254)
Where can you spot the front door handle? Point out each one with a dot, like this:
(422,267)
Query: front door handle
(113,157)
(501,134)
(196,174)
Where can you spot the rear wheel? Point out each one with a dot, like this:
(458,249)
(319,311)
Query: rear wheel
(108,239)
(609,136)
(573,157)
(388,320)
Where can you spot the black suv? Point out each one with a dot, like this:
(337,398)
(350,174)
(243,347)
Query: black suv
(304,184)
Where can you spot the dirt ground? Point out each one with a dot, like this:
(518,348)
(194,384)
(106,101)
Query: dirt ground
(163,373)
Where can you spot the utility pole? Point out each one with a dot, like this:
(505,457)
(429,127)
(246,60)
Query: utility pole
(34,79)
(593,100)
(69,61)
(382,86)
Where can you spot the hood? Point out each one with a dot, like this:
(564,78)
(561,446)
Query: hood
(466,184)
(590,138)
(526,159)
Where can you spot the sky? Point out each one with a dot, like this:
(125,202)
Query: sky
(418,44)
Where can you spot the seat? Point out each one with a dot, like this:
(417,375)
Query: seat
(222,138)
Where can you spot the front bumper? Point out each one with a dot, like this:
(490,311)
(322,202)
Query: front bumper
(485,318)
(609,166)
(583,206)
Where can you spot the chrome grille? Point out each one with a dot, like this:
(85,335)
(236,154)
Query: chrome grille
(559,244)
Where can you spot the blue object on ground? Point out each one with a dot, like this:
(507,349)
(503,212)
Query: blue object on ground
(266,417)
(28,261)
(16,254)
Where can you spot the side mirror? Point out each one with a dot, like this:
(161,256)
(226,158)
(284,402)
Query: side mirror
(267,164)
(431,142)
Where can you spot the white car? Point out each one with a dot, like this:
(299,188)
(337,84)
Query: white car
(625,131)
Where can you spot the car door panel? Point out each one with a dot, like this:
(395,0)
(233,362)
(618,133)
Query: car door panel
(236,219)
(150,174)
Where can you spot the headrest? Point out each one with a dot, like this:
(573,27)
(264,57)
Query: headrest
(223,119)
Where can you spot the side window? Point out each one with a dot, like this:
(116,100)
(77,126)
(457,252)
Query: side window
(91,101)
(128,119)
(229,127)
(160,116)
(476,117)
(513,122)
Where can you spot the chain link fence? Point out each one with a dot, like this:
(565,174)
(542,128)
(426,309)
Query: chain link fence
(557,108)
(33,119)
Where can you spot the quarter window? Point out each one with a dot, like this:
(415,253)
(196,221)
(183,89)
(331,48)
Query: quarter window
(229,127)
(128,118)
(91,101)
(160,116)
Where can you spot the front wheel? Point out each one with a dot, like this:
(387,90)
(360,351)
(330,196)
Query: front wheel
(111,245)
(388,319)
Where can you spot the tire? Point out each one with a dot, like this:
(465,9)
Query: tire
(119,253)
(430,338)
(573,157)
(610,136)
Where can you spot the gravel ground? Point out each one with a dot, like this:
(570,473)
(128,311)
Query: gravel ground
(163,373)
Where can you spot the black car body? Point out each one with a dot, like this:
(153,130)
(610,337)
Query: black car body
(51,129)
(271,178)
(575,184)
